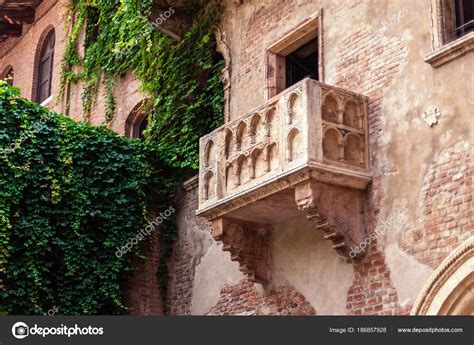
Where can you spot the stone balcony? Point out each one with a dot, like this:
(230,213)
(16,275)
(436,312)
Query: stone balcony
(304,150)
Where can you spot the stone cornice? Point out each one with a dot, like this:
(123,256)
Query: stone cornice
(451,50)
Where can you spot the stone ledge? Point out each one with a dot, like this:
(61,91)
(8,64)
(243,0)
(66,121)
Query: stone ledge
(191,184)
(451,50)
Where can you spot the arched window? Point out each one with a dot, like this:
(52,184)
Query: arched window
(45,68)
(140,127)
(7,75)
(449,290)
(137,122)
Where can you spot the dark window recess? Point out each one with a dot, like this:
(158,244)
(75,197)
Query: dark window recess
(141,127)
(45,69)
(9,76)
(302,63)
(464,12)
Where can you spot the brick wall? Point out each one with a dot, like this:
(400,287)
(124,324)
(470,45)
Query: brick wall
(143,295)
(263,20)
(367,62)
(342,8)
(245,299)
(184,259)
(373,292)
(182,278)
(21,52)
(446,205)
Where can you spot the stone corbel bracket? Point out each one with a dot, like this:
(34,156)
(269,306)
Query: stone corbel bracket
(338,213)
(248,243)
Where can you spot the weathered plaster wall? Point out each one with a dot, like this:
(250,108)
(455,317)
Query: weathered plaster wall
(199,266)
(377,48)
(302,258)
(213,272)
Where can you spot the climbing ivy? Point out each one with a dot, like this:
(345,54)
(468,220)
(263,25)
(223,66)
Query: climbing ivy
(70,195)
(181,78)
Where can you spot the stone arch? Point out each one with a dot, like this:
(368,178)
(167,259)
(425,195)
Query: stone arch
(209,153)
(354,149)
(256,131)
(137,120)
(450,290)
(241,136)
(353,114)
(294,107)
(229,142)
(230,177)
(272,157)
(259,167)
(209,184)
(332,144)
(48,35)
(293,148)
(242,171)
(331,107)
(270,116)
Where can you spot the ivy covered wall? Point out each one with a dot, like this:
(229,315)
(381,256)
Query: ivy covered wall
(70,195)
(180,76)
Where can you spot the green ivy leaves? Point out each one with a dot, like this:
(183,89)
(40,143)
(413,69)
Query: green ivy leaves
(70,194)
(182,78)
(73,193)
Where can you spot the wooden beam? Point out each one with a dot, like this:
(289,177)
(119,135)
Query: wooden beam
(18,15)
(10,29)
(5,4)
(16,3)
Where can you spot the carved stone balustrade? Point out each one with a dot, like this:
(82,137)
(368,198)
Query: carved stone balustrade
(306,152)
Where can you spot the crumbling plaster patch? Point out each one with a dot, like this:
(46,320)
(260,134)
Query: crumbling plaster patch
(408,275)
(214,271)
(304,259)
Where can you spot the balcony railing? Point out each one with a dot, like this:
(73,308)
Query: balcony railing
(310,133)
